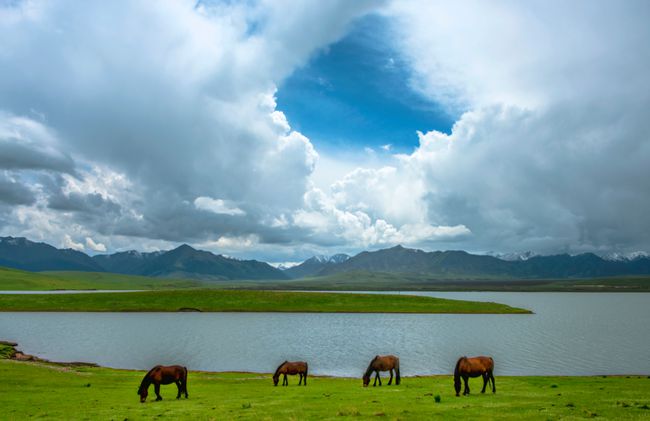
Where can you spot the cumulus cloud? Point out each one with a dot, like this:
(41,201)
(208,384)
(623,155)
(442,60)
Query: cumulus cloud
(95,246)
(133,135)
(180,108)
(469,53)
(217,206)
(551,152)
(69,243)
(29,144)
(13,192)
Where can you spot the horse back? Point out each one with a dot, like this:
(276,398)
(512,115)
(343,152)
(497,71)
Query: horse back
(294,367)
(476,366)
(169,374)
(385,362)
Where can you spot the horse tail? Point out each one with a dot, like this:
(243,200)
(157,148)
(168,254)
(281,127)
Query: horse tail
(491,375)
(397,375)
(185,380)
(306,369)
(145,380)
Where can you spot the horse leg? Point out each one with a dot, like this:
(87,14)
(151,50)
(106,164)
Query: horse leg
(180,388)
(485,381)
(466,380)
(391,376)
(494,388)
(300,381)
(156,388)
(305,382)
(285,382)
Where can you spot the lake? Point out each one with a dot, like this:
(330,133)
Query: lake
(569,334)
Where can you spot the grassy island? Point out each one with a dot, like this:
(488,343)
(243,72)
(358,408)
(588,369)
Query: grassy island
(209,300)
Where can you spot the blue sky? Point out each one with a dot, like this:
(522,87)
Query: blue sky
(356,94)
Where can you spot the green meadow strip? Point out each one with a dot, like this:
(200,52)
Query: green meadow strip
(206,300)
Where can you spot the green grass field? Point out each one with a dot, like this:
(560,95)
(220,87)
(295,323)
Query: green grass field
(252,301)
(18,280)
(12,280)
(378,281)
(38,390)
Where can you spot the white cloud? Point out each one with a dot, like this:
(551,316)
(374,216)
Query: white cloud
(157,115)
(229,244)
(169,130)
(68,243)
(217,206)
(95,246)
(470,53)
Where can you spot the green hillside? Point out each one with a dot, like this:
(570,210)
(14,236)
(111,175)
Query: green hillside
(18,280)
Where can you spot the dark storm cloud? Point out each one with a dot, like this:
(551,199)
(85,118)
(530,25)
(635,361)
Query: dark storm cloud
(15,193)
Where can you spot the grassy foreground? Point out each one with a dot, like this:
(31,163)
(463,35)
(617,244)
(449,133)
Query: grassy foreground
(19,280)
(38,390)
(251,301)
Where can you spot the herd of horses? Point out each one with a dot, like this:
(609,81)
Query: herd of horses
(465,368)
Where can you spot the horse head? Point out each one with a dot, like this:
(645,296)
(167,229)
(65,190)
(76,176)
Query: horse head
(143,392)
(366,380)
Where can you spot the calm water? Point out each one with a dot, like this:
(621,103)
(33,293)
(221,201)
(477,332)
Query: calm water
(569,334)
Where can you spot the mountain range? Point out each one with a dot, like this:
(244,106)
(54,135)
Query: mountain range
(315,265)
(187,262)
(181,262)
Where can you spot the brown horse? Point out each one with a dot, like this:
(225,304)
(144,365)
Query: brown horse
(474,367)
(291,368)
(161,374)
(382,363)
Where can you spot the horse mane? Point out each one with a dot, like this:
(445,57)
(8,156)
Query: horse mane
(458,365)
(277,370)
(145,378)
(369,369)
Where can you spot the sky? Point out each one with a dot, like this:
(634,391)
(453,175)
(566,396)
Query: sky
(281,129)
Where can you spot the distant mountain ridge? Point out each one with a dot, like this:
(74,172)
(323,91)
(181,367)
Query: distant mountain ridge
(315,265)
(20,253)
(187,262)
(460,263)
(182,262)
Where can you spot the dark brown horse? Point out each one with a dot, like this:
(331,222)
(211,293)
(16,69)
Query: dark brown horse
(161,374)
(291,368)
(474,367)
(382,363)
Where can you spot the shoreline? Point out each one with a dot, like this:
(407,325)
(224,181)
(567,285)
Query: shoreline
(28,358)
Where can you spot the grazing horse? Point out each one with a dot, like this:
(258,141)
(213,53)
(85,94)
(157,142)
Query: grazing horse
(291,368)
(474,367)
(382,363)
(161,374)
